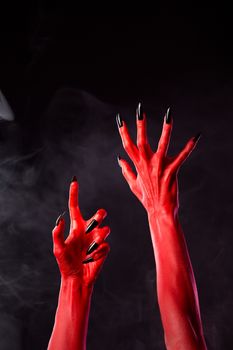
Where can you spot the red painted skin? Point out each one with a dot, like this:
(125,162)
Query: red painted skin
(156,186)
(77,279)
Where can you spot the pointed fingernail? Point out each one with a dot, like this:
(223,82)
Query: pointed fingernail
(197,137)
(139,112)
(86,261)
(91,226)
(93,246)
(74,179)
(59,218)
(119,120)
(118,159)
(168,116)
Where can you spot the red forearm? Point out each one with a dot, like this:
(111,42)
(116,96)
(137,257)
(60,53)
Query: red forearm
(71,321)
(176,287)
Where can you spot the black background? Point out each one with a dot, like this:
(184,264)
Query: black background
(65,76)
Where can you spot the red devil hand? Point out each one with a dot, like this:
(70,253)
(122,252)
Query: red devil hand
(83,253)
(156,182)
(156,187)
(80,258)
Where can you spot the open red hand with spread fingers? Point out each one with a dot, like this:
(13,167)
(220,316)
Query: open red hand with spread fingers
(155,184)
(83,252)
(80,257)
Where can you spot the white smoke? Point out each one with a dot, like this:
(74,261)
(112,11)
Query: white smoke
(6,112)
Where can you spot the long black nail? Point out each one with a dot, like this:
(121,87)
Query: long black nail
(59,218)
(139,112)
(74,179)
(168,116)
(197,137)
(91,226)
(119,120)
(93,246)
(86,261)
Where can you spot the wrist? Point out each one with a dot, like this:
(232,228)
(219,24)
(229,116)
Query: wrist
(76,284)
(162,213)
(72,315)
(163,222)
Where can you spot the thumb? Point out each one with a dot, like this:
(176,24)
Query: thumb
(58,235)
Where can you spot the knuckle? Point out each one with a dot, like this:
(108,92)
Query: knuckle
(161,144)
(56,251)
(125,173)
(133,186)
(140,142)
(127,145)
(142,149)
(160,151)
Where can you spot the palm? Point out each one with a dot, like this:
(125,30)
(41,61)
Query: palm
(70,261)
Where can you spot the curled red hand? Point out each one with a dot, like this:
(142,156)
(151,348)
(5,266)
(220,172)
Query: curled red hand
(82,254)
(155,183)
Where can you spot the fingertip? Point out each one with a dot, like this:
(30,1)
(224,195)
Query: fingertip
(119,159)
(191,144)
(107,248)
(102,251)
(74,183)
(167,128)
(123,130)
(59,228)
(96,220)
(101,235)
(124,164)
(185,152)
(197,137)
(101,213)
(74,179)
(54,230)
(88,260)
(168,116)
(105,232)
(60,219)
(119,121)
(108,229)
(140,113)
(73,194)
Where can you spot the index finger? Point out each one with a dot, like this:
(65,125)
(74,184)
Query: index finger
(74,210)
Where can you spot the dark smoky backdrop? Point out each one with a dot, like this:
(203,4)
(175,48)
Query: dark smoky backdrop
(65,77)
